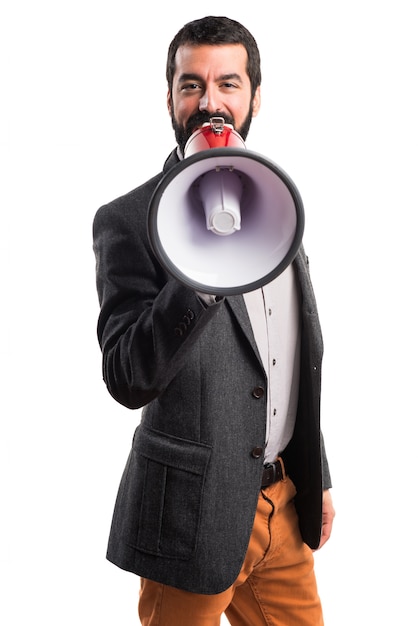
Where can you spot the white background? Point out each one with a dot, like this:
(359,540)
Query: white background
(84,120)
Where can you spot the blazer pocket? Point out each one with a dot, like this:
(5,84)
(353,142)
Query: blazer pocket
(170,474)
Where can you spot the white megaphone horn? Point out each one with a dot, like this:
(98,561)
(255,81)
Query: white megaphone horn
(224,220)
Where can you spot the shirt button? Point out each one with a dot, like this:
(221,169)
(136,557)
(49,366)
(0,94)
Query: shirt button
(274,361)
(256,452)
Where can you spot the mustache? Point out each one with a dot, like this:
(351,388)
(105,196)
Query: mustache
(201,117)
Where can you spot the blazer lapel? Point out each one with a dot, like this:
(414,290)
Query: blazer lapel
(301,263)
(239,310)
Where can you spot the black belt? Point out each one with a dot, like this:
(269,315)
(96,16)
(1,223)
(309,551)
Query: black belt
(272,473)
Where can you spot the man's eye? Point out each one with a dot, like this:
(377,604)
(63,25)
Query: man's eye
(190,87)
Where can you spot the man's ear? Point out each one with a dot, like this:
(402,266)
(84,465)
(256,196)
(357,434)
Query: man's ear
(169,103)
(256,101)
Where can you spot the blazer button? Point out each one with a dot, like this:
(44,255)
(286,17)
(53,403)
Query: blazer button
(258,392)
(256,452)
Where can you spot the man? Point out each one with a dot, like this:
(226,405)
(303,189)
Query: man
(226,490)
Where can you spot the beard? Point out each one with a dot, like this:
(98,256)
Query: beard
(182,133)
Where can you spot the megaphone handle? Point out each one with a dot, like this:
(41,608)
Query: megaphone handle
(208,298)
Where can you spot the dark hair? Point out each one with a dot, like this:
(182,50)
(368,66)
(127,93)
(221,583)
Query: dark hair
(216,31)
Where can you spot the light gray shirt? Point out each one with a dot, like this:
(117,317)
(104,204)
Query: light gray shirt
(274,315)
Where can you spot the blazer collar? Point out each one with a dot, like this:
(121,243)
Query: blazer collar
(171,161)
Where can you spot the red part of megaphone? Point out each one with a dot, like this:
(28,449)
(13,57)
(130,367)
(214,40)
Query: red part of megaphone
(213,134)
(199,196)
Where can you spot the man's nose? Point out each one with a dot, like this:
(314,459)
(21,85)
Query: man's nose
(209,102)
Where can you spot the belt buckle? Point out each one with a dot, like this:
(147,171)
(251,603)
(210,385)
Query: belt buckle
(272,472)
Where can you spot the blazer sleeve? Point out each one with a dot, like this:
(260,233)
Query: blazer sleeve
(147,321)
(326,475)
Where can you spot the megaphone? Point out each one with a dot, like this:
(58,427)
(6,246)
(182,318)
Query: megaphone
(225,220)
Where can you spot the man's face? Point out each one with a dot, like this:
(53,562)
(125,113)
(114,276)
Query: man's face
(211,80)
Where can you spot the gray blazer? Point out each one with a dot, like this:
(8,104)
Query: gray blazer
(188,495)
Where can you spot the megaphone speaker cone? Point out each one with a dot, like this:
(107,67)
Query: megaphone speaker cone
(257,227)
